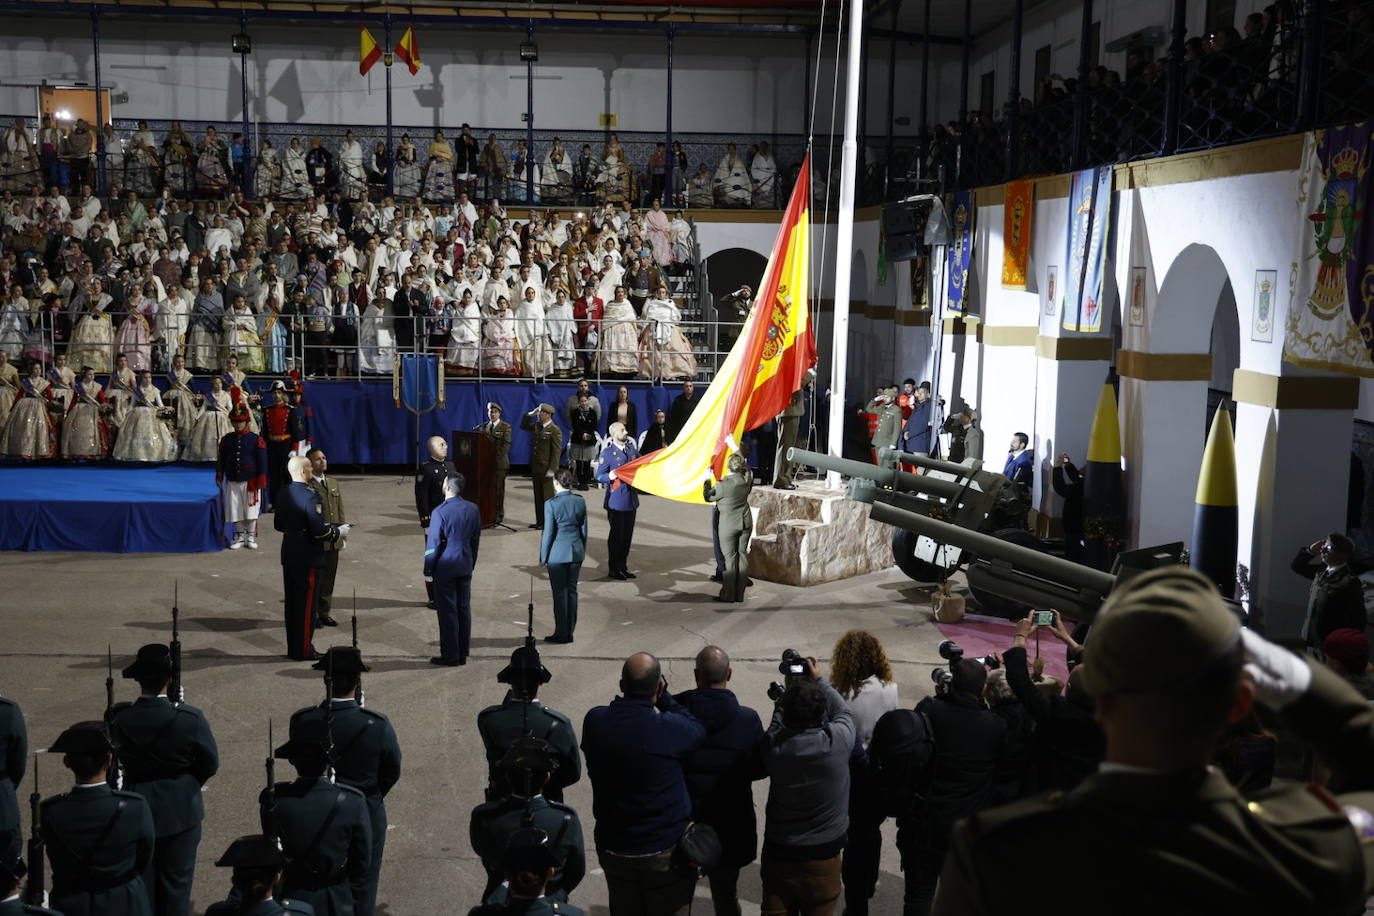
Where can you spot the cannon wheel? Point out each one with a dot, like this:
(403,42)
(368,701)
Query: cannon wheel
(904,553)
(996,605)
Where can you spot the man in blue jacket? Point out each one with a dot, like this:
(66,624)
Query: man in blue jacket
(1020,466)
(562,549)
(635,749)
(621,500)
(451,541)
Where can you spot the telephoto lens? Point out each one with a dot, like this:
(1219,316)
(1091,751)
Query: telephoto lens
(951,651)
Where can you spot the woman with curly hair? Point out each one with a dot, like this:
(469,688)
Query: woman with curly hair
(860,671)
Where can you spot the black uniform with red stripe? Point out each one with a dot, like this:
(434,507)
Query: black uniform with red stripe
(281,427)
(300,519)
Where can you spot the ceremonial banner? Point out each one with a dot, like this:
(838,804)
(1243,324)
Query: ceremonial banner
(418,382)
(369,52)
(408,51)
(767,363)
(1016,233)
(1332,294)
(1090,217)
(960,251)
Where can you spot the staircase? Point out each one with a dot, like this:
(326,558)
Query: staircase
(691,290)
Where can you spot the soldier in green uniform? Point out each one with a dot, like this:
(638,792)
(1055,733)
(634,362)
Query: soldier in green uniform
(1157,830)
(332,500)
(499,432)
(257,864)
(731,496)
(324,828)
(788,422)
(528,864)
(520,715)
(14,751)
(367,755)
(167,753)
(544,453)
(889,414)
(99,839)
(1336,599)
(527,769)
(12,872)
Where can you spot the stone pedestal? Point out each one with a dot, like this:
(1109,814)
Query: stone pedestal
(814,534)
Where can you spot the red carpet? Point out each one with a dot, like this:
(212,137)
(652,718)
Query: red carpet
(992,636)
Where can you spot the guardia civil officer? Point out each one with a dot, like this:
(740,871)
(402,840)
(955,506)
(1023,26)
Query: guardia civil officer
(99,839)
(367,755)
(429,491)
(257,865)
(527,864)
(526,769)
(12,872)
(167,753)
(14,749)
(325,832)
(522,715)
(300,519)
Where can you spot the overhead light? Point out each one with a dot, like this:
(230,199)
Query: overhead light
(64,115)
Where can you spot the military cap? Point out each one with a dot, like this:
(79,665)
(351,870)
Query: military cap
(153,660)
(1157,634)
(87,737)
(341,660)
(525,664)
(12,867)
(308,737)
(491,404)
(546,408)
(528,850)
(1348,646)
(278,385)
(238,413)
(530,754)
(253,851)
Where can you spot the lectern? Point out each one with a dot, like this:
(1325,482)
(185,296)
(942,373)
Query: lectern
(475,458)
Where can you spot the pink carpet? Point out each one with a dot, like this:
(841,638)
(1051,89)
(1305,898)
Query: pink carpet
(980,636)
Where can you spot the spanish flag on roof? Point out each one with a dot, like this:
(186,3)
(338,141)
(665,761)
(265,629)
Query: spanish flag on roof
(408,51)
(369,52)
(756,381)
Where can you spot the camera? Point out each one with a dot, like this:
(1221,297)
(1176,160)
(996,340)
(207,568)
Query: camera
(792,665)
(951,652)
(1042,618)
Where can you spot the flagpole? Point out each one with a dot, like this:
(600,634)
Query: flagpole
(844,240)
(387,58)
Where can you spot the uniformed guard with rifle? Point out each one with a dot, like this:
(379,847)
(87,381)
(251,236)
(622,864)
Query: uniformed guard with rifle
(14,749)
(527,864)
(12,871)
(167,753)
(367,755)
(257,864)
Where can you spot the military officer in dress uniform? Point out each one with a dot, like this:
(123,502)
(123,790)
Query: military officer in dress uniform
(332,499)
(451,546)
(429,491)
(527,865)
(99,840)
(521,714)
(544,453)
(735,525)
(526,769)
(324,828)
(367,755)
(300,519)
(281,427)
(788,422)
(889,412)
(167,753)
(500,433)
(1157,829)
(241,473)
(257,865)
(14,750)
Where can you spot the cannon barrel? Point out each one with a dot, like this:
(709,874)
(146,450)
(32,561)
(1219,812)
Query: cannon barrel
(902,481)
(924,461)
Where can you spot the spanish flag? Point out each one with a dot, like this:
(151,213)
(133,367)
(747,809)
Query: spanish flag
(756,381)
(369,52)
(408,51)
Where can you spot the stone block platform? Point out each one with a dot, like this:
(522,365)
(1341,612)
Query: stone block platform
(813,534)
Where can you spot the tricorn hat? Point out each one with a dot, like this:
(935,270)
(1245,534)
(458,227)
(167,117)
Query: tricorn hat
(528,849)
(153,660)
(525,664)
(308,737)
(87,737)
(341,660)
(252,851)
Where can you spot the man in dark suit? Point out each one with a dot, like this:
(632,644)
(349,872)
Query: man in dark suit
(167,753)
(99,840)
(405,305)
(521,714)
(300,519)
(327,488)
(544,454)
(429,490)
(14,750)
(562,549)
(735,525)
(681,409)
(499,432)
(455,531)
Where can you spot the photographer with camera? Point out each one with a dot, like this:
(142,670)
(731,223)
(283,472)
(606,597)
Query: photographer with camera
(805,753)
(970,745)
(1068,741)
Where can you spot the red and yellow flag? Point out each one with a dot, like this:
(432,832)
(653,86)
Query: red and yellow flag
(756,381)
(408,51)
(369,52)
(1016,232)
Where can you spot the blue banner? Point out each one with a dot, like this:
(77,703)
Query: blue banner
(419,382)
(1090,217)
(960,252)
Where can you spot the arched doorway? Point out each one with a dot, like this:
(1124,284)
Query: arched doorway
(726,271)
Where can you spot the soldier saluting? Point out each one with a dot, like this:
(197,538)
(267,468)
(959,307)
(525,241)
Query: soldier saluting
(522,715)
(367,756)
(168,753)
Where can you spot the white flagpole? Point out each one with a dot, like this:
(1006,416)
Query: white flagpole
(844,241)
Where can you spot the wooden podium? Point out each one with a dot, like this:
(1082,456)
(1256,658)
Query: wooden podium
(475,458)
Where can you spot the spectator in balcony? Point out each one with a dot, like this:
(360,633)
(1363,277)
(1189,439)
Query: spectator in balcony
(562,331)
(376,340)
(495,166)
(320,167)
(531,331)
(660,231)
(465,337)
(467,159)
(731,182)
(658,162)
(439,169)
(499,356)
(665,352)
(352,175)
(378,164)
(619,356)
(763,170)
(295,182)
(407,178)
(557,174)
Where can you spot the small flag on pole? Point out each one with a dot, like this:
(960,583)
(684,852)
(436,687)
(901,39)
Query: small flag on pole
(408,51)
(369,52)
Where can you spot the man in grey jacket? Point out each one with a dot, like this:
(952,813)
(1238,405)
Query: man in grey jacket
(806,755)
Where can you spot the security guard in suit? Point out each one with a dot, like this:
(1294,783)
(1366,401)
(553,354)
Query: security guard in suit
(324,828)
(257,865)
(521,715)
(455,534)
(526,769)
(300,519)
(500,434)
(529,862)
(12,872)
(327,488)
(367,755)
(889,419)
(1158,830)
(544,453)
(736,524)
(429,490)
(168,754)
(99,840)
(788,423)
(14,750)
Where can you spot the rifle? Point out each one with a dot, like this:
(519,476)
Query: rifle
(117,776)
(529,643)
(34,891)
(175,692)
(355,642)
(329,717)
(271,825)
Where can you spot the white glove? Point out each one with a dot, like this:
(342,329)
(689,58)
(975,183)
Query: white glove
(344,529)
(1280,676)
(429,578)
(549,474)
